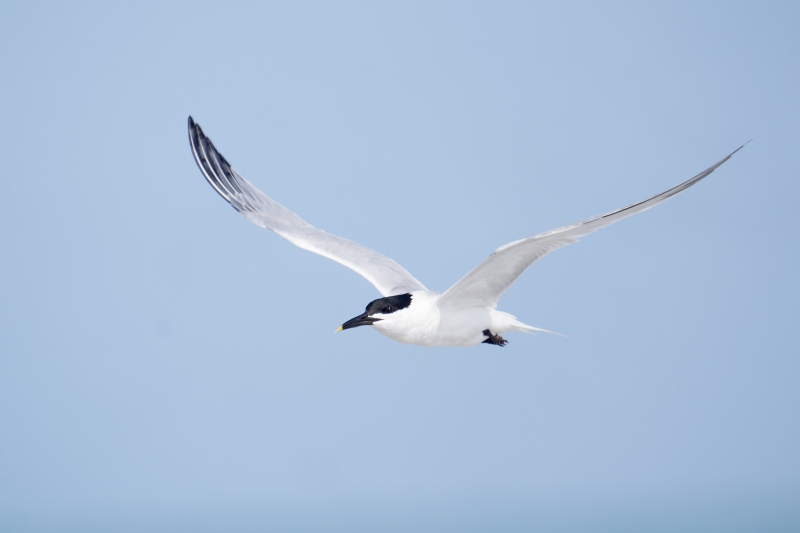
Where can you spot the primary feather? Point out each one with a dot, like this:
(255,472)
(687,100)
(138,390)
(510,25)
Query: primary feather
(385,274)
(484,284)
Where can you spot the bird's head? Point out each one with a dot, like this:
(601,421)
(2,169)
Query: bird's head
(380,309)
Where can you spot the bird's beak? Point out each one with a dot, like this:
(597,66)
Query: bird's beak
(360,320)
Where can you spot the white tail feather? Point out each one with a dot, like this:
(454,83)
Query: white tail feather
(525,328)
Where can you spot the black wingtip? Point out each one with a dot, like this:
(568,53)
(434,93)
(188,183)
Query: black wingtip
(194,133)
(742,146)
(729,155)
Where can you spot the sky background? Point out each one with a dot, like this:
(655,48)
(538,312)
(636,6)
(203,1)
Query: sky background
(167,366)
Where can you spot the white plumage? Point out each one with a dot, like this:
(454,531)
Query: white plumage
(465,314)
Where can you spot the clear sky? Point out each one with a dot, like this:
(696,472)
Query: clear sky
(167,366)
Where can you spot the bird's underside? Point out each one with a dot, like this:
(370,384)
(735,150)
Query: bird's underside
(463,315)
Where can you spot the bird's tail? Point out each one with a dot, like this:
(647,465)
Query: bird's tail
(502,322)
(525,328)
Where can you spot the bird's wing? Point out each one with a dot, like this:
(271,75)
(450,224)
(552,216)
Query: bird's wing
(386,275)
(484,284)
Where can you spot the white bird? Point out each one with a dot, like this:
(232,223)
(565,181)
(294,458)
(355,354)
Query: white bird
(463,315)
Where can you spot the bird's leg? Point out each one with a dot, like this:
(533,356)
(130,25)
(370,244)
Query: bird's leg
(497,340)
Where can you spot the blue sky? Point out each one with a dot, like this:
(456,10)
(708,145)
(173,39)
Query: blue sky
(165,365)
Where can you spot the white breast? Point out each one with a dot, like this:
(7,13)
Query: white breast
(425,324)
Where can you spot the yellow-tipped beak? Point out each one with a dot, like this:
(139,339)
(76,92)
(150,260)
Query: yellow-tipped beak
(340,328)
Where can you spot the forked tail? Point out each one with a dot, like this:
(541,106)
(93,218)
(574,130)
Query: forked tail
(525,328)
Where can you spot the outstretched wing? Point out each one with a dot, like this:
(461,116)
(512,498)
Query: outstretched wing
(386,275)
(483,286)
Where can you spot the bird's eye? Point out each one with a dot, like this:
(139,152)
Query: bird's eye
(390,309)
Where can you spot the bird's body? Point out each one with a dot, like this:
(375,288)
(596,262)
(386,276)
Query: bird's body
(465,314)
(425,323)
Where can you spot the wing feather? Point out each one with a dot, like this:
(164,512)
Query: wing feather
(385,274)
(483,285)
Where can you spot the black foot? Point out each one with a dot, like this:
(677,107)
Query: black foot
(497,340)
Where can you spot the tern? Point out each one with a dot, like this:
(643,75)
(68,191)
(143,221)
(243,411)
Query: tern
(465,314)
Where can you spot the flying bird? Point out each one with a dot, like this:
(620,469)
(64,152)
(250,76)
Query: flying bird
(465,314)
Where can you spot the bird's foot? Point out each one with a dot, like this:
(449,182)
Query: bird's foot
(497,340)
